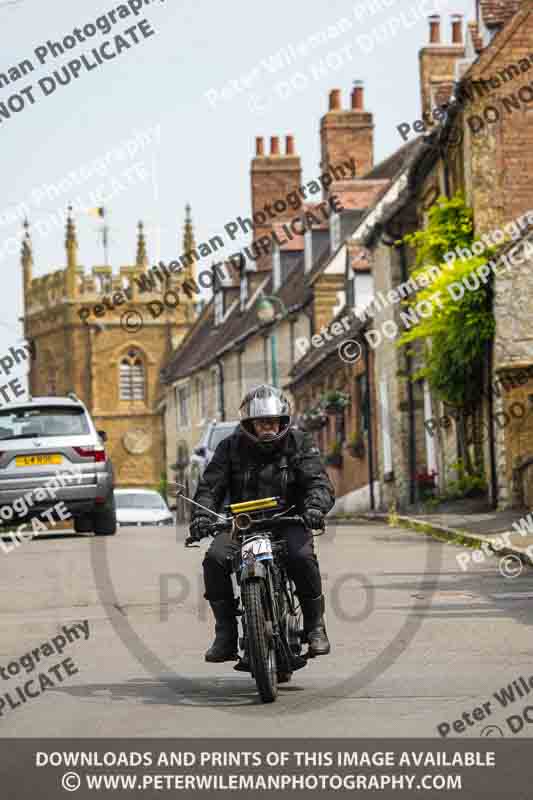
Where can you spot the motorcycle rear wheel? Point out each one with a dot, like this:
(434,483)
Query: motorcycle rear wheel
(261,647)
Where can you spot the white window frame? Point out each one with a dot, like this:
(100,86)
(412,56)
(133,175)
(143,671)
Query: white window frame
(201,405)
(308,250)
(334,232)
(364,290)
(184,420)
(276,267)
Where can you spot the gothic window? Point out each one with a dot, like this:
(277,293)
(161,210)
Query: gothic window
(132,379)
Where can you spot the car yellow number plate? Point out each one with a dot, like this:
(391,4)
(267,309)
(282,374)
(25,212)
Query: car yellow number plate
(37,461)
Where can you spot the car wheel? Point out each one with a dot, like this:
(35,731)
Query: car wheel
(105,521)
(83,523)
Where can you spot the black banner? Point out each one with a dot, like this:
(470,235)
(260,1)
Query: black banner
(146,768)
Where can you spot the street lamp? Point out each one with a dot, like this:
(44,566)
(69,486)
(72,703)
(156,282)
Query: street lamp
(267,314)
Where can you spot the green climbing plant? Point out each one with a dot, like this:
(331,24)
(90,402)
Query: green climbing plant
(454,336)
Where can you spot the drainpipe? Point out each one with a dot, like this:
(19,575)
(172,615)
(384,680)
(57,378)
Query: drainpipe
(368,410)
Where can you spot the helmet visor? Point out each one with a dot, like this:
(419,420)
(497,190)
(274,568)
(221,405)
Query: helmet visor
(258,407)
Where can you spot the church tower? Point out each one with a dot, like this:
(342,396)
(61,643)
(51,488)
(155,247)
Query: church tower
(105,337)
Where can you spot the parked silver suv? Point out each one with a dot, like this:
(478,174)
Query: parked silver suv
(52,441)
(204,451)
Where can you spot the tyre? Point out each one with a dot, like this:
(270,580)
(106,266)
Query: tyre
(261,647)
(83,523)
(105,521)
(295,624)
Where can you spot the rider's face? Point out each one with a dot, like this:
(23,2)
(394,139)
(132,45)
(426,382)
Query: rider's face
(266,428)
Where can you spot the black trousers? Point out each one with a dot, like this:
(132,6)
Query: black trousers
(302,565)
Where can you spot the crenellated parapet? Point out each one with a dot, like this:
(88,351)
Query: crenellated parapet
(46,292)
(63,296)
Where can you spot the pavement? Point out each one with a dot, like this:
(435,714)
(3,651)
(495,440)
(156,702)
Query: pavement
(463,523)
(409,631)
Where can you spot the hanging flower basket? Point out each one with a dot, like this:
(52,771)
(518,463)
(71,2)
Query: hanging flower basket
(315,418)
(335,402)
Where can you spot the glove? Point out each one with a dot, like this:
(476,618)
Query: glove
(314,518)
(199,527)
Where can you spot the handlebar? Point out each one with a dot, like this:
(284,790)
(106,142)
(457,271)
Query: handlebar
(257,525)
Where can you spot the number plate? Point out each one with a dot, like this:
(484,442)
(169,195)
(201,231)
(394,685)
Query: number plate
(37,461)
(256,550)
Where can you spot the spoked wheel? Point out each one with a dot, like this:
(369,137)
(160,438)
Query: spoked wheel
(261,647)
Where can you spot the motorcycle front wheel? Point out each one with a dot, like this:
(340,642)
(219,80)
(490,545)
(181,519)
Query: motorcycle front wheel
(261,647)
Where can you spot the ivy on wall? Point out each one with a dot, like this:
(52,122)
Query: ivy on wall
(454,337)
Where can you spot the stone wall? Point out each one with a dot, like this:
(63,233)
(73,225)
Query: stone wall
(513,366)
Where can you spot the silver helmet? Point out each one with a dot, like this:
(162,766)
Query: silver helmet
(265,402)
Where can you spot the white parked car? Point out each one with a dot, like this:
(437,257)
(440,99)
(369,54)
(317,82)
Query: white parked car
(141,507)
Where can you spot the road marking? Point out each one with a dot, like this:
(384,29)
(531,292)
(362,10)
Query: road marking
(512,595)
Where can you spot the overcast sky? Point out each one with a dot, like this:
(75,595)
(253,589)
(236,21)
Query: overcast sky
(174,79)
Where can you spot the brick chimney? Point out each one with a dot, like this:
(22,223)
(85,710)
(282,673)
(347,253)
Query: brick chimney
(273,177)
(437,62)
(347,133)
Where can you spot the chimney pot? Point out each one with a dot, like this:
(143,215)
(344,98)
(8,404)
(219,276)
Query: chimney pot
(434,29)
(274,145)
(259,146)
(289,145)
(457,29)
(335,100)
(357,96)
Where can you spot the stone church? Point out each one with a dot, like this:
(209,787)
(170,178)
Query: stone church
(110,358)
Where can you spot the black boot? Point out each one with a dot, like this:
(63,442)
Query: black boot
(224,648)
(314,627)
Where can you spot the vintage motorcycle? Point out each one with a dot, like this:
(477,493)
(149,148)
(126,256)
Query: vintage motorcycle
(269,614)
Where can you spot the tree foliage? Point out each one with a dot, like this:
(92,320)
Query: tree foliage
(454,336)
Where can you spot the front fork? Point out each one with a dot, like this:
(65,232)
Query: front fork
(272,631)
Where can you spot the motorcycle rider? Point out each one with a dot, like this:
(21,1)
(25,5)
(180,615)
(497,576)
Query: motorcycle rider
(265,457)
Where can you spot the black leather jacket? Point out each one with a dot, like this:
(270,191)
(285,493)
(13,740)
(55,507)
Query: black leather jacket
(241,471)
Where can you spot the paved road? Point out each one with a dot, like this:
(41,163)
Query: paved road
(416,641)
